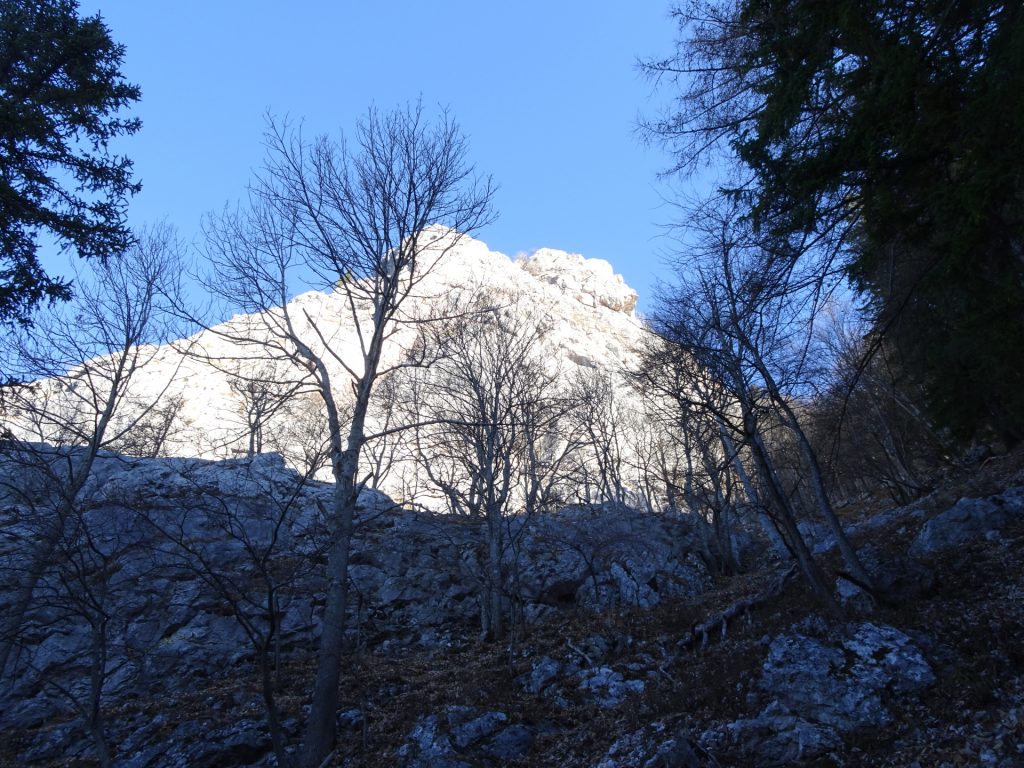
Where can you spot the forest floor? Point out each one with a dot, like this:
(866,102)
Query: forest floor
(973,614)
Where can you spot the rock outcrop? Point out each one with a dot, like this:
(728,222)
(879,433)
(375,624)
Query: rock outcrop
(821,689)
(970,519)
(591,282)
(592,676)
(182,552)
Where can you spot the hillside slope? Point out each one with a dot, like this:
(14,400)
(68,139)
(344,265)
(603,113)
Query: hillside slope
(608,668)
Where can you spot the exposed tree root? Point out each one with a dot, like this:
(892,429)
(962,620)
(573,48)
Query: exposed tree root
(720,621)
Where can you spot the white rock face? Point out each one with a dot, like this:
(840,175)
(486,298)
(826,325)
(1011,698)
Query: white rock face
(591,282)
(587,307)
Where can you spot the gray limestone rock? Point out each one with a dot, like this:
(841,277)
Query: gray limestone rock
(889,659)
(468,728)
(969,519)
(608,688)
(818,535)
(655,746)
(773,738)
(852,597)
(808,677)
(415,577)
(895,575)
(841,685)
(512,743)
(436,742)
(542,674)
(426,744)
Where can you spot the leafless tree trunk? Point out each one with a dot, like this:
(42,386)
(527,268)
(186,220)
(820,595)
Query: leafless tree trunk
(76,396)
(369,221)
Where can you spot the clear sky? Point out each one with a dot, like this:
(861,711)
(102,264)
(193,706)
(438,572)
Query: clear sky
(547,92)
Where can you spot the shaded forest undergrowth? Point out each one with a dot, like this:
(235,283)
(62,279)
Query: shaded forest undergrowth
(969,623)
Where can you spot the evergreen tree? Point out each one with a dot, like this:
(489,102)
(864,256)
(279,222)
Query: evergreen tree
(891,131)
(61,90)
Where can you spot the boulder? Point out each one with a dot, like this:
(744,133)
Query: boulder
(822,689)
(443,741)
(818,535)
(428,746)
(467,727)
(243,743)
(841,685)
(542,673)
(969,519)
(655,746)
(896,575)
(607,688)
(808,677)
(512,743)
(773,738)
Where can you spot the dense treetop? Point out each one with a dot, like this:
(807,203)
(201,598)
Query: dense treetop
(887,136)
(61,94)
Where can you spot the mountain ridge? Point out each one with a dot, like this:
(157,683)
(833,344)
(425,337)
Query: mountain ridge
(588,311)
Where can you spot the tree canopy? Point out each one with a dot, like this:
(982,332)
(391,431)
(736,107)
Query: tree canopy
(61,93)
(889,133)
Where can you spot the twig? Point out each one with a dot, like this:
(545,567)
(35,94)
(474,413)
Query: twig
(581,652)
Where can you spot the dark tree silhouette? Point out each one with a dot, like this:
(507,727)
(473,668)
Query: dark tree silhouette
(888,133)
(61,90)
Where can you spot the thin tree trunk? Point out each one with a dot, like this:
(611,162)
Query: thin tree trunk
(320,731)
(825,507)
(808,567)
(762,518)
(270,704)
(495,630)
(97,677)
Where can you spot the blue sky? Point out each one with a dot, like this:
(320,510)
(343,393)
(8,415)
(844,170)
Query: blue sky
(547,92)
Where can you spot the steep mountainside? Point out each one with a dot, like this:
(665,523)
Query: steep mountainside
(210,407)
(626,651)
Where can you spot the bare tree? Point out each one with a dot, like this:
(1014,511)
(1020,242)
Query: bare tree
(252,552)
(71,640)
(484,412)
(263,396)
(699,465)
(369,220)
(301,433)
(867,421)
(153,435)
(387,446)
(601,420)
(76,393)
(748,316)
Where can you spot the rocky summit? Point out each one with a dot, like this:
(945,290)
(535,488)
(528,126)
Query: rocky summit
(203,383)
